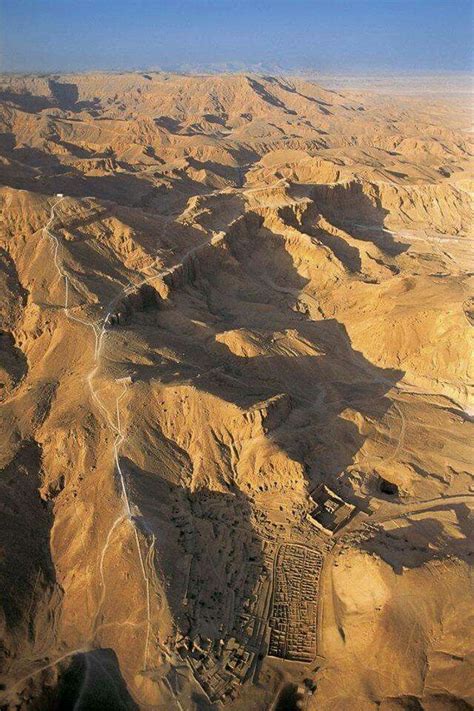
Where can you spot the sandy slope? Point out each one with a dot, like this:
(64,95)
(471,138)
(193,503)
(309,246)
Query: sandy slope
(252,286)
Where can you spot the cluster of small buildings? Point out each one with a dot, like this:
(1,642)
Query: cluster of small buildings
(295,599)
(267,599)
(220,667)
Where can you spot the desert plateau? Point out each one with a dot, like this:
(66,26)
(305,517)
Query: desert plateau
(235,407)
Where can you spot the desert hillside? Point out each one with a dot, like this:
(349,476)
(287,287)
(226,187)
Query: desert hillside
(235,415)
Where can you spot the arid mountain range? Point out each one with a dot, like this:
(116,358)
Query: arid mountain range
(236,426)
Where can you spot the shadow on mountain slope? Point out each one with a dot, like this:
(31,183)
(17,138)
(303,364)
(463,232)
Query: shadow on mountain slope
(205,544)
(415,542)
(237,338)
(64,96)
(92,681)
(26,570)
(347,206)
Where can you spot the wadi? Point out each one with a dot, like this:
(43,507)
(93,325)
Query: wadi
(235,417)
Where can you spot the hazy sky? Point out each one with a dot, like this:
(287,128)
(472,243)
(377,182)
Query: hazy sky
(360,36)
